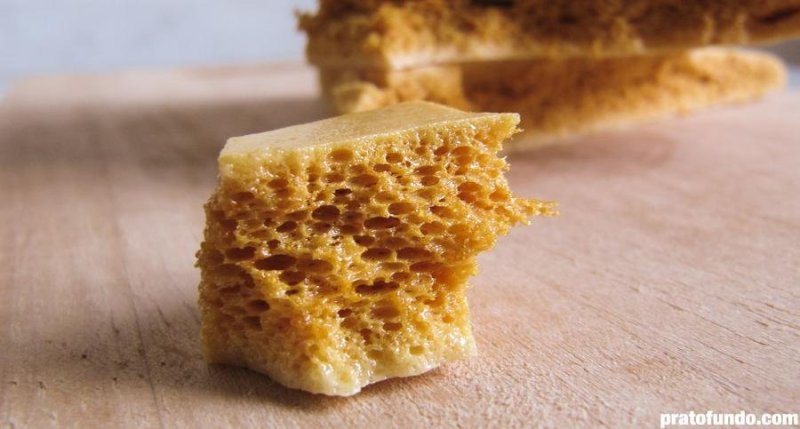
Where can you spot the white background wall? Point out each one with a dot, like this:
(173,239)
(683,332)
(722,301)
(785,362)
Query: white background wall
(51,36)
(55,36)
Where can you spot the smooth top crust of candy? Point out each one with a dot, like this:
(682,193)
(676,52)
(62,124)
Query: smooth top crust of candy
(361,127)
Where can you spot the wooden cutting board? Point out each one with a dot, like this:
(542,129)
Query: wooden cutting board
(670,283)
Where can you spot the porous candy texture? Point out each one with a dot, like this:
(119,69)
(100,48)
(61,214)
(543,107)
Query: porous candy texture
(329,267)
(402,34)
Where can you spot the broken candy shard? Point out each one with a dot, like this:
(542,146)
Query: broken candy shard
(558,99)
(400,35)
(336,253)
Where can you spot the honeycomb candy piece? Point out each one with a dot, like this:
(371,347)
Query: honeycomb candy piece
(336,253)
(561,98)
(394,34)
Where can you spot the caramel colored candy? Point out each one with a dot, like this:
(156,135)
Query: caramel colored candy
(398,35)
(337,253)
(562,98)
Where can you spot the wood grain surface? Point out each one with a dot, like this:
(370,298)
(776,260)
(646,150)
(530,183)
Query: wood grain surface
(670,283)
